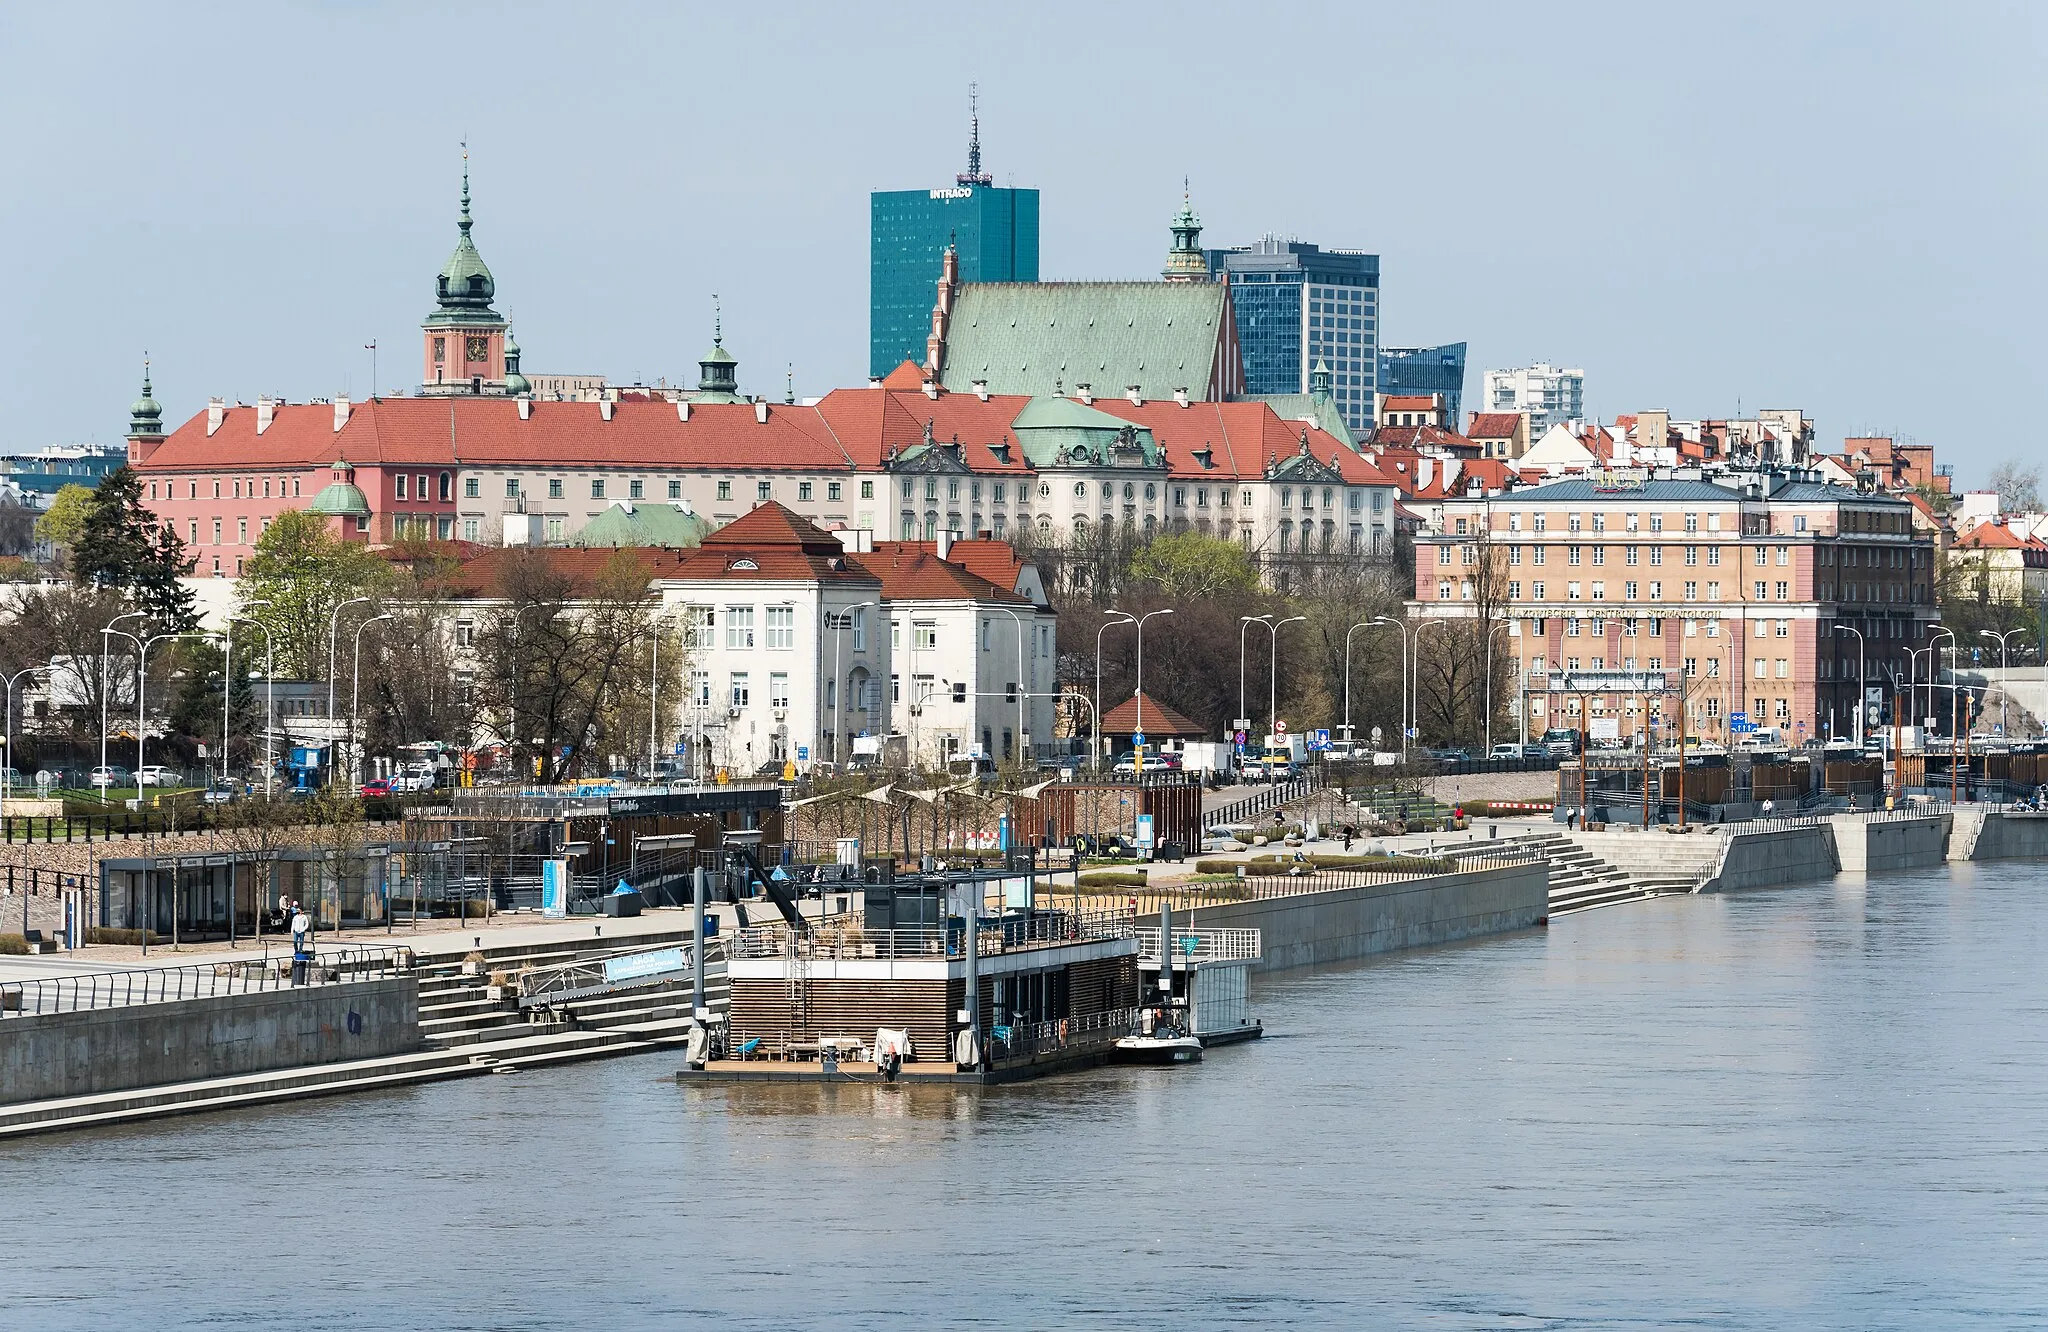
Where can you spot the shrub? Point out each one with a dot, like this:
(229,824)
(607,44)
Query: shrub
(1270,865)
(13,945)
(476,906)
(1111,879)
(95,934)
(1224,868)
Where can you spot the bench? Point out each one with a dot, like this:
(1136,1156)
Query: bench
(37,943)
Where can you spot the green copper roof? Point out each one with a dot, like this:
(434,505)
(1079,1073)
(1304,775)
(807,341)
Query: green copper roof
(464,290)
(515,383)
(145,417)
(1307,407)
(718,378)
(644,525)
(342,499)
(1055,431)
(1048,337)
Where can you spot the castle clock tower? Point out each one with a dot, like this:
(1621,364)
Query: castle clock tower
(464,336)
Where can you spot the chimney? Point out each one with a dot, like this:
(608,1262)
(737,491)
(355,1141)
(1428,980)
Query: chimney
(945,543)
(604,408)
(525,408)
(683,412)
(216,411)
(931,388)
(981,389)
(266,410)
(1180,396)
(874,381)
(1136,393)
(761,412)
(1086,393)
(340,414)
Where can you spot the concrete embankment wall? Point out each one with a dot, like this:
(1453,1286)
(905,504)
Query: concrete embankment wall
(1655,854)
(2006,836)
(146,1045)
(1333,925)
(1781,855)
(1877,846)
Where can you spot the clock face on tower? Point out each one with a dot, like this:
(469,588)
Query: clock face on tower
(479,347)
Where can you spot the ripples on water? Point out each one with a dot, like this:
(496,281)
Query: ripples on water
(1816,1107)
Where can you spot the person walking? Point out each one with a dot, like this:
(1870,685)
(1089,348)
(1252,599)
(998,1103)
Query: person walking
(302,927)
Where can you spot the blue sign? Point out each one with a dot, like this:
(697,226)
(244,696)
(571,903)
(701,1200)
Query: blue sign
(1319,738)
(682,747)
(1138,738)
(554,888)
(1738,719)
(803,753)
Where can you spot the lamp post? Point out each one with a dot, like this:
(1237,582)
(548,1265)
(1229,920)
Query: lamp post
(1934,673)
(1138,693)
(105,651)
(333,622)
(1489,694)
(839,679)
(141,686)
(1847,629)
(1122,617)
(2004,667)
(355,686)
(1245,622)
(1415,695)
(1403,627)
(1273,676)
(1362,624)
(654,690)
(1023,730)
(7,758)
(269,705)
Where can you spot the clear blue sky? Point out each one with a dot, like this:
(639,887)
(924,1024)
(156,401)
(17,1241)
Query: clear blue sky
(1834,207)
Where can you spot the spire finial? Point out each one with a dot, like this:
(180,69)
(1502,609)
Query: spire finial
(974,174)
(789,382)
(717,323)
(465,222)
(145,372)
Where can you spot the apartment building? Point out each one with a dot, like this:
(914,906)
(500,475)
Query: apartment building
(1761,593)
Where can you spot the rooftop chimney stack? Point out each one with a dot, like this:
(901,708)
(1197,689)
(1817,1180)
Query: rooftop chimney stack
(761,412)
(216,412)
(945,542)
(1180,397)
(266,411)
(1136,393)
(341,408)
(981,389)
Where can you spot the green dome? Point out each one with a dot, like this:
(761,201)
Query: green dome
(464,290)
(342,499)
(516,384)
(145,417)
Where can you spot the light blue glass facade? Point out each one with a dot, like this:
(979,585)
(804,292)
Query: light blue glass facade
(1428,370)
(1298,304)
(994,229)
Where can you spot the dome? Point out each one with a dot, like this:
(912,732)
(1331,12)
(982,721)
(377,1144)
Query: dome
(145,417)
(516,384)
(464,289)
(342,499)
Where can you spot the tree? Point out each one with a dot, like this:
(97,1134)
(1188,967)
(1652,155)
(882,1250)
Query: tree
(1188,564)
(63,523)
(415,693)
(60,627)
(559,658)
(121,545)
(303,571)
(2018,485)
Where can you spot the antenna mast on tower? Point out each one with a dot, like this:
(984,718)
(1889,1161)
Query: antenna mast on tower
(974,175)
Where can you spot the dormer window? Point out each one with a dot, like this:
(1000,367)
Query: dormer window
(743,564)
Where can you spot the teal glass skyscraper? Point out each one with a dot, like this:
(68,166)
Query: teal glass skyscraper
(995,231)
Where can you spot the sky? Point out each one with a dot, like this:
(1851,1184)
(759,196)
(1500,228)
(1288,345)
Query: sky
(1825,206)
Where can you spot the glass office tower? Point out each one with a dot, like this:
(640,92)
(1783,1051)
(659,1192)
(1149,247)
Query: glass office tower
(1424,370)
(1298,304)
(995,229)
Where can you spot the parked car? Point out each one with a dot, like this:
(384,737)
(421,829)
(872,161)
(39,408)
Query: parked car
(220,793)
(376,786)
(1064,763)
(1506,751)
(11,776)
(1448,754)
(1126,764)
(158,775)
(110,775)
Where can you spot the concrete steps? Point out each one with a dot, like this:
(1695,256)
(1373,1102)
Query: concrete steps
(1579,881)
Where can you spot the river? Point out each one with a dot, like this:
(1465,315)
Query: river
(1812,1107)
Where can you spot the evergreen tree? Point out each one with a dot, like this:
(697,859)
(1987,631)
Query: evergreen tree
(121,545)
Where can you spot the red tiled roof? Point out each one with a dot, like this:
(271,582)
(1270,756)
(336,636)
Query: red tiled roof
(1995,536)
(913,571)
(1408,402)
(1425,435)
(484,576)
(1159,720)
(995,561)
(909,375)
(773,544)
(1493,425)
(1240,437)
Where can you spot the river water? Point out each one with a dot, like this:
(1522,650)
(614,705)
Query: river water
(1816,1107)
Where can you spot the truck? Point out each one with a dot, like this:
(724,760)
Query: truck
(1209,757)
(1282,756)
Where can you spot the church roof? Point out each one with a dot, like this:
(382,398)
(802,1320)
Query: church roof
(1047,337)
(642,524)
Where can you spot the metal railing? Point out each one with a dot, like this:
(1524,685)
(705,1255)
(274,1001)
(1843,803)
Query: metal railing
(1309,879)
(1232,945)
(624,970)
(1259,802)
(1028,1040)
(199,980)
(850,942)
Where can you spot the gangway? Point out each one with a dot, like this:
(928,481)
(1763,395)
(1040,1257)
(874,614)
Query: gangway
(546,987)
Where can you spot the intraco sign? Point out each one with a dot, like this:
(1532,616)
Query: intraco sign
(1610,682)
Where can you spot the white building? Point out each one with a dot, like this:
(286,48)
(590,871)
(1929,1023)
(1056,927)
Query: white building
(1549,395)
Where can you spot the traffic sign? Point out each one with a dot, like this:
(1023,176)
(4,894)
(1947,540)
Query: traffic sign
(1240,738)
(1138,739)
(803,753)
(1280,728)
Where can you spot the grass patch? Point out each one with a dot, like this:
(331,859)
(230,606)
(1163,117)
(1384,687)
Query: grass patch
(1113,880)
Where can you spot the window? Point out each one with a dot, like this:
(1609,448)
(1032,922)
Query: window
(778,689)
(1656,522)
(959,691)
(739,626)
(1782,588)
(1536,591)
(984,634)
(832,489)
(1713,591)
(740,693)
(1599,554)
(1784,628)
(471,487)
(1761,590)
(700,688)
(1784,556)
(470,529)
(465,633)
(867,490)
(1629,592)
(635,488)
(555,487)
(1714,556)
(675,490)
(1656,591)
(924,635)
(725,490)
(803,492)
(860,630)
(446,492)
(1692,556)
(781,627)
(216,527)
(1692,522)
(1536,523)
(1571,591)
(1572,554)
(895,635)
(1692,591)
(597,489)
(1759,668)
(1633,554)
(1536,554)
(241,531)
(1656,555)
(698,622)
(397,481)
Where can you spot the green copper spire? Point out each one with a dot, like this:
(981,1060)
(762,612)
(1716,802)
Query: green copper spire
(145,418)
(516,384)
(465,288)
(1185,262)
(718,369)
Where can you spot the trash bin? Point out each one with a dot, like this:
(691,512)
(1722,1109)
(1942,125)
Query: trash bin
(622,904)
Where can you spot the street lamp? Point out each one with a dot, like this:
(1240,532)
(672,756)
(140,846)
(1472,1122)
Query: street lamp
(355,686)
(7,757)
(1848,629)
(141,685)
(333,621)
(1362,624)
(2004,668)
(105,651)
(1934,674)
(1120,617)
(654,689)
(1403,627)
(838,678)
(227,675)
(1244,623)
(1489,690)
(1273,676)
(1024,731)
(1415,695)
(1138,693)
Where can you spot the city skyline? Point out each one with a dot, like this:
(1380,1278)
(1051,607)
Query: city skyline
(257,254)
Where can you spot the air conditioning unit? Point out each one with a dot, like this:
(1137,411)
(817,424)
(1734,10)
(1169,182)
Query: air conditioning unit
(782,714)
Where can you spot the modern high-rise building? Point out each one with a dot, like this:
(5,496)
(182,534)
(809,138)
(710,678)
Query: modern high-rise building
(1299,304)
(1550,396)
(993,230)
(1426,370)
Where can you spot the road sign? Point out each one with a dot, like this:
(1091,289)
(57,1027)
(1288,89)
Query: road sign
(1241,724)
(1279,728)
(1738,719)
(1320,738)
(1239,739)
(1138,738)
(803,753)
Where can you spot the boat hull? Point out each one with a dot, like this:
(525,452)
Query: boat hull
(1156,1050)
